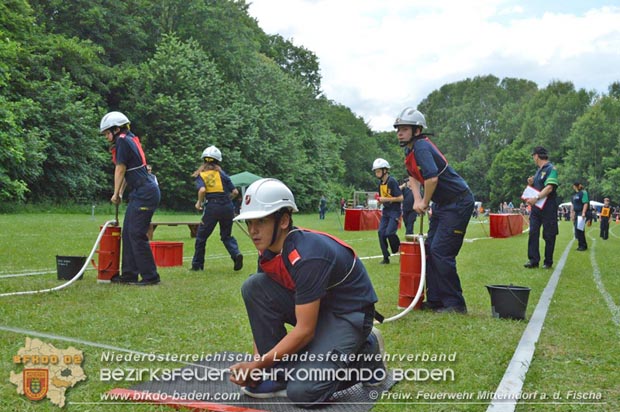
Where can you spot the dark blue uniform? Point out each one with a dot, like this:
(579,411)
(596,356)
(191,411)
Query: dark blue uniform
(390,216)
(322,207)
(313,266)
(579,199)
(144,197)
(409,215)
(218,208)
(451,211)
(545,217)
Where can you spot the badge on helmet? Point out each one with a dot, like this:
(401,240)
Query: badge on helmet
(264,197)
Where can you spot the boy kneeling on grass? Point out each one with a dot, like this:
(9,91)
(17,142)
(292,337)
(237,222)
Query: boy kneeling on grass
(317,284)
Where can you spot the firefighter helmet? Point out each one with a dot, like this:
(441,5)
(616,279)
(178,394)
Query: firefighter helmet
(410,117)
(380,163)
(264,197)
(212,152)
(113,119)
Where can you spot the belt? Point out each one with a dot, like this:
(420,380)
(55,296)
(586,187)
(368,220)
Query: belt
(138,183)
(456,198)
(221,200)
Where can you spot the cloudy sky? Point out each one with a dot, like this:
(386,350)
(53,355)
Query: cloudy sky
(378,56)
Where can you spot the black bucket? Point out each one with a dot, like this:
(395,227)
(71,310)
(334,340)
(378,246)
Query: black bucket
(69,266)
(508,302)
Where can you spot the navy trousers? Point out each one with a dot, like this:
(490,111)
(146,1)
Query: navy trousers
(388,228)
(215,212)
(446,232)
(270,306)
(137,254)
(409,218)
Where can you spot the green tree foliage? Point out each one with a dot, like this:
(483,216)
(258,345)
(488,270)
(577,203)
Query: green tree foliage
(117,26)
(464,114)
(549,115)
(73,156)
(472,120)
(294,139)
(593,154)
(44,112)
(179,105)
(508,174)
(222,27)
(297,61)
(192,73)
(14,168)
(358,145)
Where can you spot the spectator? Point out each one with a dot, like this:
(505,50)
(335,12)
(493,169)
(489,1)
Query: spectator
(322,207)
(546,182)
(580,214)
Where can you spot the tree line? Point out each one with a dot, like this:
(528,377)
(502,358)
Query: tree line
(195,73)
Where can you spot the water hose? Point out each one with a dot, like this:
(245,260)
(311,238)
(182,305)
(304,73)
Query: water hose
(420,290)
(77,276)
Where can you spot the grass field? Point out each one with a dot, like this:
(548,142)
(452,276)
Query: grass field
(575,366)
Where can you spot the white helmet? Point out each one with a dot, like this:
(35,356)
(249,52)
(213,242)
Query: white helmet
(380,163)
(113,119)
(264,197)
(410,117)
(213,153)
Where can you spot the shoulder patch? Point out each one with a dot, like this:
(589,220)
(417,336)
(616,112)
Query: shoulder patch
(294,257)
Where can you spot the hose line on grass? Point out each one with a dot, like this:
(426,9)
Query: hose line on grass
(77,276)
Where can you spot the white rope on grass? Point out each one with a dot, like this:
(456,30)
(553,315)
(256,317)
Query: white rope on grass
(508,391)
(19,275)
(77,275)
(98,345)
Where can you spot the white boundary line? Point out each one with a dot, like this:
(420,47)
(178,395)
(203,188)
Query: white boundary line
(509,389)
(596,275)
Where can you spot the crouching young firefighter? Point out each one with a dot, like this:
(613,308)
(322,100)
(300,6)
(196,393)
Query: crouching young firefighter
(130,172)
(317,284)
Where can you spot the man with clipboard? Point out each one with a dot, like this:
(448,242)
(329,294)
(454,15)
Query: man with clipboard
(542,198)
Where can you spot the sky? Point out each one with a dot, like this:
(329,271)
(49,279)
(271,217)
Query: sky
(378,56)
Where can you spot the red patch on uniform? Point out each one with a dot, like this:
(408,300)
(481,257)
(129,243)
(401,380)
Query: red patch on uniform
(293,257)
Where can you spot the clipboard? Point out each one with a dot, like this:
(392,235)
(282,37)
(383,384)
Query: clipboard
(581,223)
(529,192)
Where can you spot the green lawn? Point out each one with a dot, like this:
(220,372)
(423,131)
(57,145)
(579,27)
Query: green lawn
(202,312)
